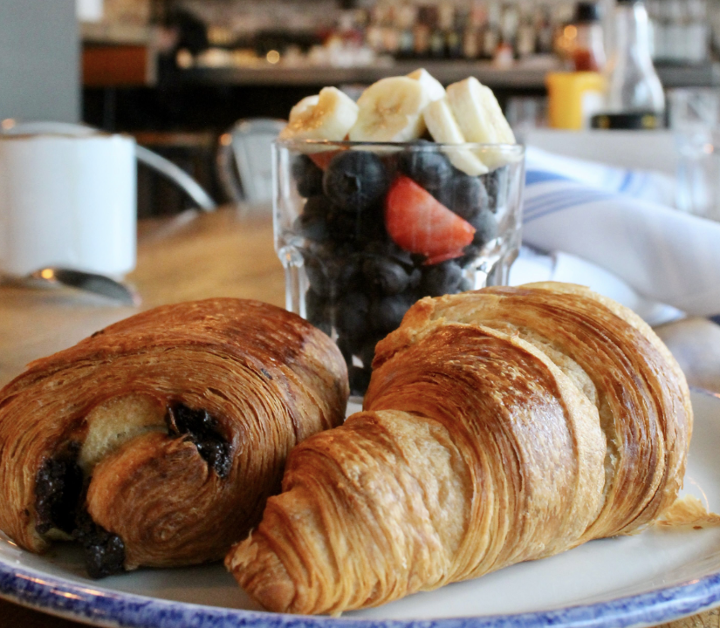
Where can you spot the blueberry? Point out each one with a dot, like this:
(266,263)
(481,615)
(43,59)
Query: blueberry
(352,314)
(317,309)
(307,175)
(466,196)
(355,180)
(317,275)
(441,279)
(430,169)
(341,226)
(486,227)
(317,205)
(496,185)
(312,227)
(466,285)
(370,225)
(346,346)
(359,380)
(367,351)
(387,313)
(388,248)
(415,278)
(385,275)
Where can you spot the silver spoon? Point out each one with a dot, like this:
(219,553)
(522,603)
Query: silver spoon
(90,282)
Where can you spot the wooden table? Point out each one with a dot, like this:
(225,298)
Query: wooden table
(222,254)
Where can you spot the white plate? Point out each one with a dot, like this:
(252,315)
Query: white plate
(647,579)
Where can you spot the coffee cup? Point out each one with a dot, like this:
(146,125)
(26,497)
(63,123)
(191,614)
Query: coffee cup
(67,199)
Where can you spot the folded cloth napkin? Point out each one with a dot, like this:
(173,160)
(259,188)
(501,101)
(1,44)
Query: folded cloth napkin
(533,265)
(622,221)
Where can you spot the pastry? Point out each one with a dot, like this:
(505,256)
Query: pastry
(502,425)
(157,440)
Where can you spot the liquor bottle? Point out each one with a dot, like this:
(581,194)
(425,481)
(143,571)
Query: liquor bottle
(406,17)
(421,33)
(545,32)
(526,33)
(455,21)
(491,34)
(437,34)
(634,97)
(588,52)
(472,35)
(509,28)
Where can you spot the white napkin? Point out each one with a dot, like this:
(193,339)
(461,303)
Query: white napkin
(622,222)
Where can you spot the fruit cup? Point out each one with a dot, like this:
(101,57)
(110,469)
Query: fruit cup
(366,229)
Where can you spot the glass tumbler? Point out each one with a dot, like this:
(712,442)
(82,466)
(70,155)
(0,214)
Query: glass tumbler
(364,230)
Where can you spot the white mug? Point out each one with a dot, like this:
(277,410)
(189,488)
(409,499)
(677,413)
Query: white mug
(67,200)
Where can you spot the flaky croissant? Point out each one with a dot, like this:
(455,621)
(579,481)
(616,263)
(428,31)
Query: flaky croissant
(500,426)
(157,440)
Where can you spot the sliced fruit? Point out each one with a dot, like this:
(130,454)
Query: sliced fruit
(390,110)
(305,105)
(434,87)
(330,118)
(445,129)
(419,223)
(478,113)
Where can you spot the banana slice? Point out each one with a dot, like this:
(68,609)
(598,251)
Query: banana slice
(305,105)
(480,119)
(478,113)
(330,118)
(391,111)
(434,88)
(444,129)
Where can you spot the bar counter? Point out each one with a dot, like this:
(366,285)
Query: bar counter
(521,76)
(226,253)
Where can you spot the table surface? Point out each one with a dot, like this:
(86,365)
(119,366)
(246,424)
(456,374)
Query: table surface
(227,253)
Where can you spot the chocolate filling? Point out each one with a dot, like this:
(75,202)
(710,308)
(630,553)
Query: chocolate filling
(204,431)
(58,487)
(104,552)
(60,492)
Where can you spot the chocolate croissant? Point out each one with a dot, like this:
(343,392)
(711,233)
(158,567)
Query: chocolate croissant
(500,426)
(157,440)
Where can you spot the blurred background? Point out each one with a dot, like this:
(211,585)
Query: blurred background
(176,74)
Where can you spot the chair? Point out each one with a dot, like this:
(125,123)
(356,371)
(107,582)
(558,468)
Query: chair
(245,159)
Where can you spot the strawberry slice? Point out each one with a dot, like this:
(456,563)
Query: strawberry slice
(419,223)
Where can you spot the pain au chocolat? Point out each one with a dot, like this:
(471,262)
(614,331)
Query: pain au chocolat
(503,425)
(157,440)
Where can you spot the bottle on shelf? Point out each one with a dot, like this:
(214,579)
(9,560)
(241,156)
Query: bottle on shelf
(437,33)
(588,50)
(634,97)
(491,34)
(509,30)
(545,32)
(421,33)
(406,17)
(527,32)
(472,33)
(454,25)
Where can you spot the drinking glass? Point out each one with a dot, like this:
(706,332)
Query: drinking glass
(694,116)
(364,230)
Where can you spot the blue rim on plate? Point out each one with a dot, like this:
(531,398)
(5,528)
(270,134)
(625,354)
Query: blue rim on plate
(106,608)
(83,603)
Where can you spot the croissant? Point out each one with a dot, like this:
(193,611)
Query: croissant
(500,426)
(158,440)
